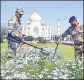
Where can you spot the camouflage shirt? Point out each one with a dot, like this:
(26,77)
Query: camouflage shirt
(14,26)
(76,33)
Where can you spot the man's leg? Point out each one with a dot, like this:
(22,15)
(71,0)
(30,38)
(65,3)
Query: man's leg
(14,47)
(78,54)
(10,49)
(8,44)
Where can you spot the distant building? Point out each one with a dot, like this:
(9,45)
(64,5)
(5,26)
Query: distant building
(36,27)
(58,27)
(68,38)
(4,29)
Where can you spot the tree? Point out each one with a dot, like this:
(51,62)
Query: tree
(41,39)
(55,37)
(28,38)
(1,37)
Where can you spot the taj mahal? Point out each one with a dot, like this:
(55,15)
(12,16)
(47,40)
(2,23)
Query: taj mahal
(35,27)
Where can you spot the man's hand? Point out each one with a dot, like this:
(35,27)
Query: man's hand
(58,41)
(20,36)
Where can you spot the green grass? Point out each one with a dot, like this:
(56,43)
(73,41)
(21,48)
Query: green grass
(68,51)
(3,45)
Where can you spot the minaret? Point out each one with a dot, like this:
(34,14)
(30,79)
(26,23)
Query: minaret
(35,10)
(50,31)
(58,27)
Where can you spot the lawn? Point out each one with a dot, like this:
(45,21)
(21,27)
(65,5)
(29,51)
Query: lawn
(68,51)
(3,45)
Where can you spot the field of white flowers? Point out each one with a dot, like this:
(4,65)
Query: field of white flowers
(30,63)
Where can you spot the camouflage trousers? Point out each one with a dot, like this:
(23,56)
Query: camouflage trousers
(79,50)
(13,46)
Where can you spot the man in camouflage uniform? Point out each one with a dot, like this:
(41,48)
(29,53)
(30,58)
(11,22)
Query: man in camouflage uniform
(15,29)
(76,31)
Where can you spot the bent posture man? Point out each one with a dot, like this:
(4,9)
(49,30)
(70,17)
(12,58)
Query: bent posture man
(76,31)
(14,25)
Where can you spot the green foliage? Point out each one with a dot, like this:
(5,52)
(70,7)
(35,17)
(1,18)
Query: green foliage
(15,78)
(19,70)
(2,37)
(5,56)
(76,70)
(49,66)
(41,40)
(34,70)
(28,38)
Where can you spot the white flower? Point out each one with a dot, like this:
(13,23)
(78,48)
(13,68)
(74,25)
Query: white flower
(54,73)
(2,67)
(73,64)
(27,74)
(72,77)
(49,76)
(23,76)
(67,64)
(62,70)
(73,67)
(8,77)
(55,77)
(17,75)
(82,67)
(65,76)
(43,72)
(3,72)
(12,70)
(70,72)
(46,69)
(40,76)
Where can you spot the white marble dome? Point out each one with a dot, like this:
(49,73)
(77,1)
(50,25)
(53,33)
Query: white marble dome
(36,27)
(42,22)
(35,17)
(28,21)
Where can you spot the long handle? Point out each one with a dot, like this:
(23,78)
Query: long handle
(55,50)
(19,40)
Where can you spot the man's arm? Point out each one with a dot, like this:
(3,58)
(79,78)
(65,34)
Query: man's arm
(67,32)
(12,25)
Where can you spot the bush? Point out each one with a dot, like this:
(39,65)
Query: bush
(28,38)
(41,40)
(1,38)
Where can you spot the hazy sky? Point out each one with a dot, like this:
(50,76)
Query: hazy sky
(50,11)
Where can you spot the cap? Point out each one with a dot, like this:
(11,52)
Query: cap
(72,19)
(20,10)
